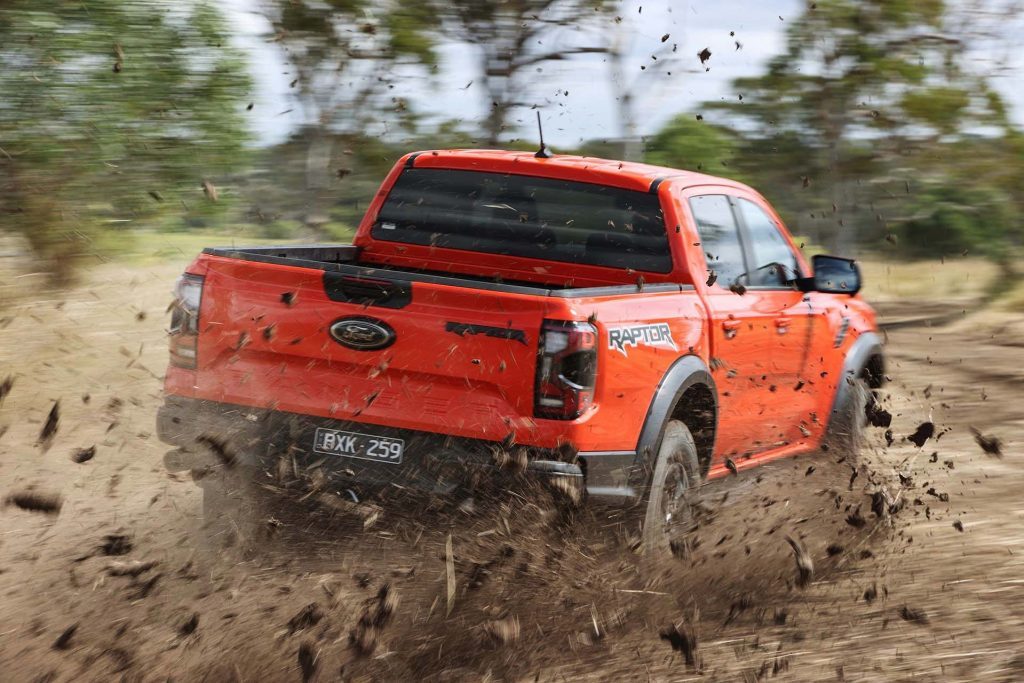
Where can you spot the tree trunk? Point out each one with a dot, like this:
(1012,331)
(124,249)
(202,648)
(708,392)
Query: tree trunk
(318,180)
(632,150)
(495,123)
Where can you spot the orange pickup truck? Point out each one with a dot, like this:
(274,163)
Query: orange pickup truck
(633,329)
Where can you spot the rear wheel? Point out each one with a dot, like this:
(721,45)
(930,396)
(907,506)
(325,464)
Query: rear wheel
(236,512)
(672,497)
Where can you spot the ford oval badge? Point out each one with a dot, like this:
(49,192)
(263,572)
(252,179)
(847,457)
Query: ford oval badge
(362,333)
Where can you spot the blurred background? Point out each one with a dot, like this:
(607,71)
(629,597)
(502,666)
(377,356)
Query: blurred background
(142,130)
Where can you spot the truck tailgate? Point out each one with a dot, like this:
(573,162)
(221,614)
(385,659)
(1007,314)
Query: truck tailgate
(461,361)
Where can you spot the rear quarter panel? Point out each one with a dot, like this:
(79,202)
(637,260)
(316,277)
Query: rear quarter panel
(634,357)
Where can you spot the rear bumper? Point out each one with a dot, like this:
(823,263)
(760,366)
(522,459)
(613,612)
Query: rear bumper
(254,437)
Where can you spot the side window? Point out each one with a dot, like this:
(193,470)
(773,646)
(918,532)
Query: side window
(719,237)
(774,261)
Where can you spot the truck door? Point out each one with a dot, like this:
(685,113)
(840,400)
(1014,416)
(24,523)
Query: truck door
(750,363)
(775,266)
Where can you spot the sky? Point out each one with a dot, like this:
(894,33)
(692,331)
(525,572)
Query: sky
(589,110)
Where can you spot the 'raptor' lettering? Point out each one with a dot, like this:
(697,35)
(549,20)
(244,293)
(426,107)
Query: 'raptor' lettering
(658,335)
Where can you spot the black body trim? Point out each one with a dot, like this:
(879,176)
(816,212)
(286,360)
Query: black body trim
(655,184)
(411,161)
(608,476)
(313,253)
(462,329)
(367,291)
(683,374)
(868,344)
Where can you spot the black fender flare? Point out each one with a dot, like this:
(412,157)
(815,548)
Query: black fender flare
(684,373)
(867,345)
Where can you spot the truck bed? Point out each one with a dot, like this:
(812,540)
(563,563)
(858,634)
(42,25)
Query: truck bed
(344,259)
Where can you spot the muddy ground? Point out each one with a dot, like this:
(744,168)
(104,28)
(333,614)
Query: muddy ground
(124,583)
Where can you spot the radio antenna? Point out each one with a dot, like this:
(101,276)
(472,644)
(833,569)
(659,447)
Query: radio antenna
(543,152)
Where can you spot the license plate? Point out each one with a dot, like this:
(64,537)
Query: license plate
(356,445)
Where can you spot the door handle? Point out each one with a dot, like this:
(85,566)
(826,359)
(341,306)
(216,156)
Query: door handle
(731,327)
(783,322)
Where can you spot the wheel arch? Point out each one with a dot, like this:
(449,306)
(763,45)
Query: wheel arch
(687,392)
(864,359)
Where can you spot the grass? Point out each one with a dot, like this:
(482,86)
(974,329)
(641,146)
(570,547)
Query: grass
(931,280)
(147,247)
(885,278)
(1013,300)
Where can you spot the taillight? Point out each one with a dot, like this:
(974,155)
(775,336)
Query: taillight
(188,294)
(566,368)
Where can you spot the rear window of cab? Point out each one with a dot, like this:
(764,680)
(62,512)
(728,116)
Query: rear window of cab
(526,216)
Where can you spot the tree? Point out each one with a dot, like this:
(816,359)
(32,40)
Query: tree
(955,219)
(348,56)
(687,143)
(515,39)
(113,110)
(861,87)
(639,90)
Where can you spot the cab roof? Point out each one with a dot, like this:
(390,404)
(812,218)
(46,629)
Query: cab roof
(625,174)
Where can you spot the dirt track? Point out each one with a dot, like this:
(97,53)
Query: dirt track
(949,604)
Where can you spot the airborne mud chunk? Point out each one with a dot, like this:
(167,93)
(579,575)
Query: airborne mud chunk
(924,431)
(914,615)
(5,388)
(189,626)
(80,455)
(991,445)
(804,564)
(877,415)
(307,661)
(378,614)
(35,501)
(682,640)
(310,615)
(63,641)
(856,519)
(51,426)
(116,544)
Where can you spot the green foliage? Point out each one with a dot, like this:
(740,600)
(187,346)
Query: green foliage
(411,29)
(113,111)
(279,229)
(948,220)
(687,143)
(340,232)
(869,98)
(941,108)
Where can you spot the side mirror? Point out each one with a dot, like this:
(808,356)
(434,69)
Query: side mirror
(833,275)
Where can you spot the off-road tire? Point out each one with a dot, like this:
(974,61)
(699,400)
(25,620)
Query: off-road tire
(671,499)
(236,512)
(848,431)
